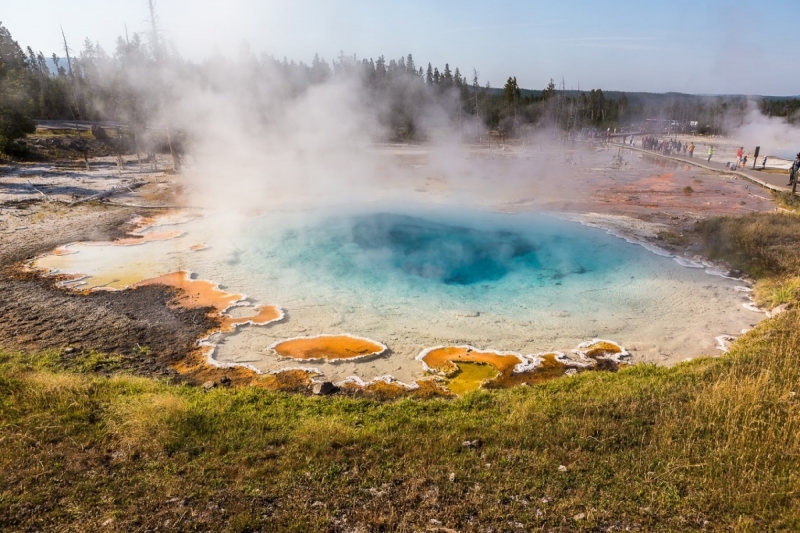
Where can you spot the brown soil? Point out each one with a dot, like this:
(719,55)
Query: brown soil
(138,325)
(62,146)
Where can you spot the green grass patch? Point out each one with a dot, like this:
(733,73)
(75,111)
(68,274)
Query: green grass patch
(706,445)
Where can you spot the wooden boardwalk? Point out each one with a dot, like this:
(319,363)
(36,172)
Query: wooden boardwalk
(774,182)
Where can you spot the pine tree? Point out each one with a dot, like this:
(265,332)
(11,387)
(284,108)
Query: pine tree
(380,68)
(549,91)
(447,77)
(429,75)
(16,105)
(511,92)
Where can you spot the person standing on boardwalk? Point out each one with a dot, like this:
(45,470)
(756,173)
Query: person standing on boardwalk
(739,153)
(710,153)
(793,170)
(691,150)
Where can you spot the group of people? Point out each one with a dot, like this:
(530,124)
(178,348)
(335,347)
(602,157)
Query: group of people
(741,158)
(668,146)
(675,147)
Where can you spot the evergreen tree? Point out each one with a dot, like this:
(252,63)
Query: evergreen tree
(429,75)
(447,77)
(511,92)
(16,105)
(549,91)
(380,68)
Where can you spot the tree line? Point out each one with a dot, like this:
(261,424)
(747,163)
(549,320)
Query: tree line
(127,86)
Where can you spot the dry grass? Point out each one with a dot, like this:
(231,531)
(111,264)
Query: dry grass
(772,292)
(787,200)
(759,244)
(707,445)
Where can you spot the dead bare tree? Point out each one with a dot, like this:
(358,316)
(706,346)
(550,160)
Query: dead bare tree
(176,162)
(76,114)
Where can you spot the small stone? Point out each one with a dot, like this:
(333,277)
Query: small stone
(225,380)
(208,385)
(777,310)
(435,522)
(323,388)
(452,476)
(108,522)
(579,516)
(69,349)
(562,468)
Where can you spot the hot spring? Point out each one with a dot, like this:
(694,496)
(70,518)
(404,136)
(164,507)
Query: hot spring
(416,279)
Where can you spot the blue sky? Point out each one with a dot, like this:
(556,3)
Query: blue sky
(708,47)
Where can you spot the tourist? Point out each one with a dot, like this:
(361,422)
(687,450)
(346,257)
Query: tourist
(710,153)
(691,150)
(744,161)
(739,155)
(793,170)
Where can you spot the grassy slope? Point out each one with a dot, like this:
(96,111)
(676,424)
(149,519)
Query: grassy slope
(707,445)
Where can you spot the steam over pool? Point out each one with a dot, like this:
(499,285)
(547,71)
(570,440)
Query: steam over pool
(525,282)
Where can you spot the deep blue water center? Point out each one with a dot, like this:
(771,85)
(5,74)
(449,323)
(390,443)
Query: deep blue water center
(443,258)
(454,255)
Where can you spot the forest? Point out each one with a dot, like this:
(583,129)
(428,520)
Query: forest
(135,86)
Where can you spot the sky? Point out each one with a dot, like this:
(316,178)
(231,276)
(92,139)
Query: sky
(701,47)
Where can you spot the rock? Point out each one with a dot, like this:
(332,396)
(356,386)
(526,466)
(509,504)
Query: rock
(208,385)
(225,380)
(579,516)
(435,522)
(777,310)
(562,468)
(69,349)
(477,443)
(452,477)
(323,388)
